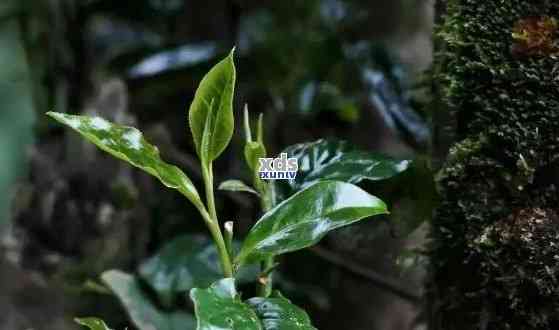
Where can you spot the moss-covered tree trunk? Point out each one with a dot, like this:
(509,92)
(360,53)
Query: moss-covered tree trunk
(495,253)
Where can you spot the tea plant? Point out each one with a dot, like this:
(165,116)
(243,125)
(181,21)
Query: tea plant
(297,214)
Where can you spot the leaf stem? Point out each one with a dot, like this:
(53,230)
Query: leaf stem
(210,217)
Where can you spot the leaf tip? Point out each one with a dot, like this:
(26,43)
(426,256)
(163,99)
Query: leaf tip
(246,122)
(260,129)
(53,114)
(92,323)
(192,294)
(383,207)
(231,57)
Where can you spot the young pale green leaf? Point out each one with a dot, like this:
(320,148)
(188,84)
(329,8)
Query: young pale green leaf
(260,129)
(211,111)
(246,123)
(219,307)
(254,149)
(236,185)
(184,263)
(143,313)
(92,323)
(335,160)
(128,144)
(304,218)
(253,152)
(278,313)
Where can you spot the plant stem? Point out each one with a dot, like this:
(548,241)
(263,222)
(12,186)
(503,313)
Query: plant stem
(377,279)
(213,223)
(228,226)
(209,184)
(265,284)
(222,250)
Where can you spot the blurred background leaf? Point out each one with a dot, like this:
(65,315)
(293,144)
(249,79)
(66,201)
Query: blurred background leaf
(142,311)
(188,261)
(17,104)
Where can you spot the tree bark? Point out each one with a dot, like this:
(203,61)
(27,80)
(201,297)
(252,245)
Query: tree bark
(495,237)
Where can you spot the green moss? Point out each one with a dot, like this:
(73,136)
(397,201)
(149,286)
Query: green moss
(506,107)
(461,150)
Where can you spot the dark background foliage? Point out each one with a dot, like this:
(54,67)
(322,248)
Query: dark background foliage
(317,69)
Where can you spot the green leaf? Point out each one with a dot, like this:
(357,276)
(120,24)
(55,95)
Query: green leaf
(236,185)
(211,111)
(205,145)
(335,160)
(306,217)
(246,123)
(92,323)
(254,151)
(143,313)
(219,307)
(184,263)
(278,313)
(128,144)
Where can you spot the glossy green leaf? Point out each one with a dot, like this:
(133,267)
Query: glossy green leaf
(211,111)
(184,263)
(92,323)
(278,313)
(335,160)
(219,308)
(128,144)
(304,218)
(143,313)
(236,185)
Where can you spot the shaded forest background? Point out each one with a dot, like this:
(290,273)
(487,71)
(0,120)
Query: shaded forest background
(348,70)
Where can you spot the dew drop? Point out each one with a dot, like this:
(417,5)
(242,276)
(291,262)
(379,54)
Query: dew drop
(134,139)
(100,124)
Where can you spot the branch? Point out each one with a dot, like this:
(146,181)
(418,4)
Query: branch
(368,274)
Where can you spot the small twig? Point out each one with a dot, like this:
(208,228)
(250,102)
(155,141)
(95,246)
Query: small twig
(378,280)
